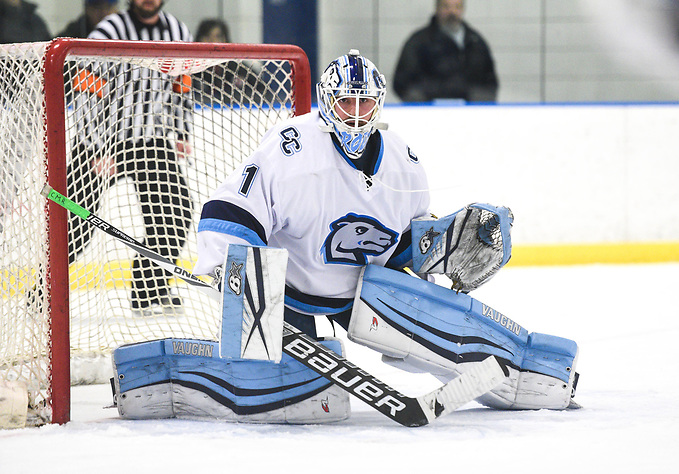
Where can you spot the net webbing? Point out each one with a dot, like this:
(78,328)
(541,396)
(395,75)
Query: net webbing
(144,151)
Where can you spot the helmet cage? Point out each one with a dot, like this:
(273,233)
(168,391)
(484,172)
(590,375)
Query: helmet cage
(350,98)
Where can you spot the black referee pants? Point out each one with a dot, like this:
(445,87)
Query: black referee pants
(165,207)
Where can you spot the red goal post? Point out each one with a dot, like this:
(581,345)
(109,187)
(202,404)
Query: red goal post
(222,99)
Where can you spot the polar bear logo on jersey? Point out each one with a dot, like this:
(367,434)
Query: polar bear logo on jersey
(353,237)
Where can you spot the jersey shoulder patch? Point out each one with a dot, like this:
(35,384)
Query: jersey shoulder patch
(412,156)
(290,140)
(290,135)
(399,146)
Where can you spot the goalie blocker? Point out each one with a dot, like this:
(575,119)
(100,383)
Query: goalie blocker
(419,326)
(253,284)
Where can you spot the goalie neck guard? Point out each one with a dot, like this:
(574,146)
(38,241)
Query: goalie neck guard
(350,99)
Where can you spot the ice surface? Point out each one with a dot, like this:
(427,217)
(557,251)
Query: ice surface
(625,319)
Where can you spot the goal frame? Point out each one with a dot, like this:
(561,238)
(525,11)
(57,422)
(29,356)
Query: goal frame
(55,145)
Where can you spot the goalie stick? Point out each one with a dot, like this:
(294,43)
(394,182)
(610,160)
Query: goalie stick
(408,411)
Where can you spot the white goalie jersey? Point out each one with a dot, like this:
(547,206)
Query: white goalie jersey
(299,192)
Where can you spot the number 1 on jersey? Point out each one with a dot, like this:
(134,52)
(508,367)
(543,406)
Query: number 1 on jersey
(248,178)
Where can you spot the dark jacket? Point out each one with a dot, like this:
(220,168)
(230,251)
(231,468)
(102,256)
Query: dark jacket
(432,66)
(78,28)
(22,24)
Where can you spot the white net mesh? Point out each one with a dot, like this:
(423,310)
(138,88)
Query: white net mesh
(24,324)
(147,141)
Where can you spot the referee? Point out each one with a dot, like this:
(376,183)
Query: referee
(134,123)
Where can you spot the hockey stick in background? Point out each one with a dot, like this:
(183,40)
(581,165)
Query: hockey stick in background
(408,411)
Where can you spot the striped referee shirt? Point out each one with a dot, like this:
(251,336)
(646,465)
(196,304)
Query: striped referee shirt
(131,102)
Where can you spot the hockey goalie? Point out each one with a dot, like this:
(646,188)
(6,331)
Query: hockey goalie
(330,216)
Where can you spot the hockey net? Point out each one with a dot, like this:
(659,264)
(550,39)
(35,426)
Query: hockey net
(73,116)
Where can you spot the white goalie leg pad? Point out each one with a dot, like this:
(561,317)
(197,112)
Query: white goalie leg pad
(422,327)
(253,302)
(531,390)
(182,378)
(13,404)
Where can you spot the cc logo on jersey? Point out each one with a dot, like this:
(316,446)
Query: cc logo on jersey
(290,141)
(353,237)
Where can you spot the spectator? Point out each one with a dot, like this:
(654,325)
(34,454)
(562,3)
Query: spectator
(215,84)
(446,60)
(213,30)
(229,83)
(95,11)
(19,23)
(152,132)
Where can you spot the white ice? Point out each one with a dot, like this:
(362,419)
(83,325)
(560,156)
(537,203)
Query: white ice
(625,319)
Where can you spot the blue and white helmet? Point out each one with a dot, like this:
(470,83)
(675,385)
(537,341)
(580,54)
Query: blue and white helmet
(348,82)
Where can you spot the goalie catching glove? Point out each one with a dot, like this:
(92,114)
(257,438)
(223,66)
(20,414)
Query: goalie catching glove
(469,246)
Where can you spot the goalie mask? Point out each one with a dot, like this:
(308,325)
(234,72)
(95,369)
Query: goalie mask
(350,99)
